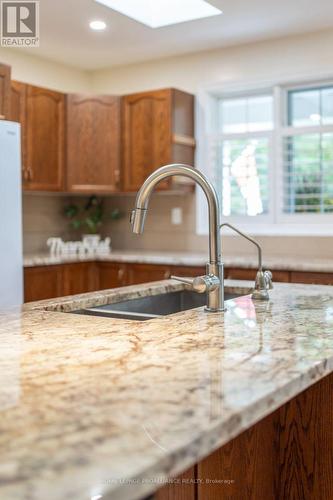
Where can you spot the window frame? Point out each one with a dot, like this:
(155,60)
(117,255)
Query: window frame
(276,222)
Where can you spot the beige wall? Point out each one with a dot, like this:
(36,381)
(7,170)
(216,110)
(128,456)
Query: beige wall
(303,54)
(309,54)
(30,69)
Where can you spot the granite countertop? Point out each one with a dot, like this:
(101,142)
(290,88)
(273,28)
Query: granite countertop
(96,406)
(189,259)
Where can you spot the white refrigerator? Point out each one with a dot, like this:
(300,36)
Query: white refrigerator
(11,255)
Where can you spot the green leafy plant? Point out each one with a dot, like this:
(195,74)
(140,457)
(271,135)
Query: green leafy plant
(91,216)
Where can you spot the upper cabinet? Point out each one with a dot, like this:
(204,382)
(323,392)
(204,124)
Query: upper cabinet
(158,128)
(93,143)
(4,92)
(101,143)
(44,139)
(41,113)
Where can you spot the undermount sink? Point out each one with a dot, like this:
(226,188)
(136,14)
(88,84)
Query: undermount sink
(151,307)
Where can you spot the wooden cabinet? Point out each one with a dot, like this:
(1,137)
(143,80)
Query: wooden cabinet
(98,144)
(188,271)
(80,278)
(312,278)
(144,273)
(183,488)
(43,282)
(237,273)
(112,275)
(55,281)
(47,282)
(158,128)
(4,92)
(44,139)
(93,143)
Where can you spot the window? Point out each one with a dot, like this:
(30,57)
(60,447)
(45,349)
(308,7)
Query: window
(270,157)
(245,125)
(308,152)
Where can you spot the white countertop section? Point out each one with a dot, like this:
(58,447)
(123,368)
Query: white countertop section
(189,259)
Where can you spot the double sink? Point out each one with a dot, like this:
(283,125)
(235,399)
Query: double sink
(150,307)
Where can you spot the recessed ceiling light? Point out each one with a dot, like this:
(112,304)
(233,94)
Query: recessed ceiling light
(97,25)
(157,13)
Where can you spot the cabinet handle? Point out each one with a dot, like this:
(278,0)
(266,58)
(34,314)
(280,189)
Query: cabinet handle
(121,273)
(30,174)
(167,275)
(25,174)
(117,177)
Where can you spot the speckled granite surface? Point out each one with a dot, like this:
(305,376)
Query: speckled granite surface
(97,406)
(191,259)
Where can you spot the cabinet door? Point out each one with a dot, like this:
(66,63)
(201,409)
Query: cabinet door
(93,143)
(311,278)
(44,282)
(188,271)
(250,274)
(146,136)
(45,139)
(4,92)
(144,273)
(80,278)
(18,114)
(112,275)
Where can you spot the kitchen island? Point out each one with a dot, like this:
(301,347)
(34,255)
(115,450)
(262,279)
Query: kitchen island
(94,407)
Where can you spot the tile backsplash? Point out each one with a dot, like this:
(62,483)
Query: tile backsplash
(43,217)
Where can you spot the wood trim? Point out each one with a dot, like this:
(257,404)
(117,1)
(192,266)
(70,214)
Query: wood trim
(183,140)
(5,74)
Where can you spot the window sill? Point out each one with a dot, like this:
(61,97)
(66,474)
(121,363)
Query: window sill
(288,230)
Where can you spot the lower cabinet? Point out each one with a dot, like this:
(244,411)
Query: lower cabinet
(143,273)
(45,282)
(312,278)
(80,278)
(235,273)
(112,275)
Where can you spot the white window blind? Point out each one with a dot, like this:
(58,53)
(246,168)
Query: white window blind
(308,152)
(242,154)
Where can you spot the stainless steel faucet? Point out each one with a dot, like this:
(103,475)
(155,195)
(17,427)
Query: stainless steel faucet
(212,282)
(264,279)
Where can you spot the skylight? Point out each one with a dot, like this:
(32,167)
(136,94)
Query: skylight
(157,13)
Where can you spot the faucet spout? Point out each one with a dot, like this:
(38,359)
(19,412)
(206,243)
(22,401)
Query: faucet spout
(142,201)
(215,266)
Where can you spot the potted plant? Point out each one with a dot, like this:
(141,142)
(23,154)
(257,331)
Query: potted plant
(89,218)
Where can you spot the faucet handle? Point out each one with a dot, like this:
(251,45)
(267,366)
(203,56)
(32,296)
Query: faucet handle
(269,279)
(263,283)
(200,284)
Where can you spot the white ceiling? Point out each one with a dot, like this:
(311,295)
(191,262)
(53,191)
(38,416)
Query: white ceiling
(65,36)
